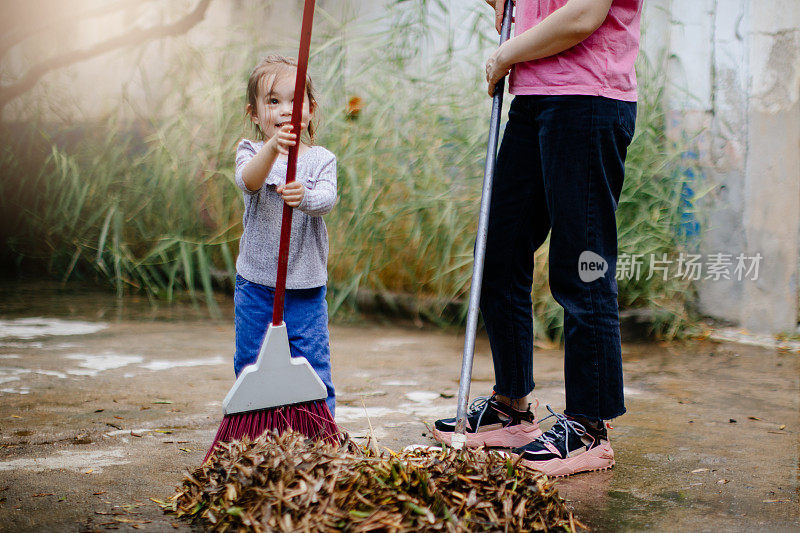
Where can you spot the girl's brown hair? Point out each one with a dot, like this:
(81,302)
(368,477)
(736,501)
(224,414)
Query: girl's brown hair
(274,66)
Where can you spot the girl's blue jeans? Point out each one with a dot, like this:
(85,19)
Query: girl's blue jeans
(306,317)
(559,171)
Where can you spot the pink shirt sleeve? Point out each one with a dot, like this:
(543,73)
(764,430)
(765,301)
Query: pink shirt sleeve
(600,65)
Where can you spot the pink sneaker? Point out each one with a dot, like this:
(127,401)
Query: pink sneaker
(492,423)
(567,448)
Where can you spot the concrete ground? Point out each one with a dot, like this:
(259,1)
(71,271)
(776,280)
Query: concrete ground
(105,405)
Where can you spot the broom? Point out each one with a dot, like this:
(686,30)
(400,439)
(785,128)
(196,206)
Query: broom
(278,391)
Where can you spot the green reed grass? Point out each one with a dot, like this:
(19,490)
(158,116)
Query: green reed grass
(150,205)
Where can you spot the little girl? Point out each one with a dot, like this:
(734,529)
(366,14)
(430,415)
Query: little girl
(261,174)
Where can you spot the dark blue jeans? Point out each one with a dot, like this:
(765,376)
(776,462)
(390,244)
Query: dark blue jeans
(306,316)
(559,170)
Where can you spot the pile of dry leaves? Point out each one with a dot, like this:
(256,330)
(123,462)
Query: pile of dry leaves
(290,483)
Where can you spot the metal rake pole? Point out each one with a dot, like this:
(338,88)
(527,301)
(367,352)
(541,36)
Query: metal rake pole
(459,436)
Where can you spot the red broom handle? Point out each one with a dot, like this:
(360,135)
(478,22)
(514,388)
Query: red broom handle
(291,169)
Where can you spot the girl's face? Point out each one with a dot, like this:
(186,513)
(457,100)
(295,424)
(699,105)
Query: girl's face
(274,104)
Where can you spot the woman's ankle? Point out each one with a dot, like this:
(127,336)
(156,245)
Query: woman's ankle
(594,426)
(520,404)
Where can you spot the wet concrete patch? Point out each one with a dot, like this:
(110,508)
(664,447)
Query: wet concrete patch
(164,364)
(33,327)
(76,461)
(93,364)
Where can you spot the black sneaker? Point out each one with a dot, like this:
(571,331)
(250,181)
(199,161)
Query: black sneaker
(492,423)
(567,448)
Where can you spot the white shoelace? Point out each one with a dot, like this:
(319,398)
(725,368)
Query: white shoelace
(566,424)
(479,403)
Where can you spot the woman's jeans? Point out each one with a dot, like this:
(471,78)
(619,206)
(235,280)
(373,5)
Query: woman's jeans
(559,170)
(306,317)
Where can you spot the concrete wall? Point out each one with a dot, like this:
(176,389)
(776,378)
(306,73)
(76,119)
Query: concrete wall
(734,73)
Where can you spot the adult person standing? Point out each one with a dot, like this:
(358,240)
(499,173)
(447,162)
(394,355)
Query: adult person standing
(559,171)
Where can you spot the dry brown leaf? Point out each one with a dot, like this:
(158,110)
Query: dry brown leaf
(290,483)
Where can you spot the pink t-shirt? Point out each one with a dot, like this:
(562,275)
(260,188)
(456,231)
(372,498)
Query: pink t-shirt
(600,65)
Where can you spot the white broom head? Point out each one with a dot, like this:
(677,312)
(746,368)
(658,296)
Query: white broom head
(275,379)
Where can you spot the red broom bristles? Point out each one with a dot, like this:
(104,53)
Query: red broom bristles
(312,419)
